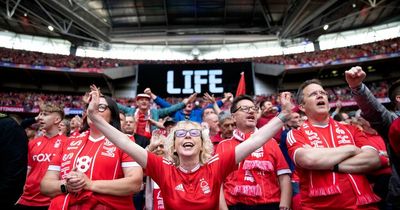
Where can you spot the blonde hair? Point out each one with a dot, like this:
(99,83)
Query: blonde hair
(50,107)
(206,148)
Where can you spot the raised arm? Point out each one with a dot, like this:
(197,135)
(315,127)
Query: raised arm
(211,100)
(266,132)
(120,139)
(372,110)
(169,110)
(158,100)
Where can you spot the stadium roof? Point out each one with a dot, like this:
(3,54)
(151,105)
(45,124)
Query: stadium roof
(194,22)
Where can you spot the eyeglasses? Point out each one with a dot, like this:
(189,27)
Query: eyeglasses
(315,93)
(247,109)
(102,107)
(192,132)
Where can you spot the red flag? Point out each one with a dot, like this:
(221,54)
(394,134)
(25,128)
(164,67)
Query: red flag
(241,90)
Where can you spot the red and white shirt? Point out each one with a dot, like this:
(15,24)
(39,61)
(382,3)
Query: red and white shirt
(197,189)
(346,198)
(99,159)
(255,180)
(40,152)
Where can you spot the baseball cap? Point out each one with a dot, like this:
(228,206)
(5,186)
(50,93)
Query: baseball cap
(142,95)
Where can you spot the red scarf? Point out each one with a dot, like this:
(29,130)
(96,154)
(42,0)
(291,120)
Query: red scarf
(142,124)
(248,169)
(324,182)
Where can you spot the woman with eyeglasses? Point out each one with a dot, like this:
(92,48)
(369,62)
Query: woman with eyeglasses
(189,177)
(91,172)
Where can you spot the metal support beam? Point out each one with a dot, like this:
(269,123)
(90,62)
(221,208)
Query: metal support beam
(81,18)
(195,10)
(226,5)
(166,12)
(50,16)
(11,13)
(313,15)
(293,18)
(266,13)
(137,14)
(107,4)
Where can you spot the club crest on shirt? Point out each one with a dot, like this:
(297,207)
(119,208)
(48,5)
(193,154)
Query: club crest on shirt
(342,137)
(57,144)
(204,186)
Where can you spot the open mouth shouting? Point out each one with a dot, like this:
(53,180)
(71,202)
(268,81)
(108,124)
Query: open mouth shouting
(188,145)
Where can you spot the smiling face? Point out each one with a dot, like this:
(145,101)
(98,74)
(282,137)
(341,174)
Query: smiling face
(315,102)
(143,103)
(186,145)
(188,140)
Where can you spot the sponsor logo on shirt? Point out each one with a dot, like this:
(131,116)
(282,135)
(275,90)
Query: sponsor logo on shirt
(109,151)
(42,157)
(179,187)
(259,153)
(108,143)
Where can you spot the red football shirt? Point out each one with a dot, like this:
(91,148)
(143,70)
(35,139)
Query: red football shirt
(197,189)
(40,152)
(347,198)
(255,180)
(99,159)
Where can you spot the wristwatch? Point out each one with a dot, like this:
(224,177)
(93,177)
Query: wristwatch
(63,188)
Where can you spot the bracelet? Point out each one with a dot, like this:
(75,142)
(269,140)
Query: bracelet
(284,208)
(282,117)
(336,168)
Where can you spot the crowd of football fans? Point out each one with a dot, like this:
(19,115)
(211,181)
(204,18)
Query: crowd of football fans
(312,58)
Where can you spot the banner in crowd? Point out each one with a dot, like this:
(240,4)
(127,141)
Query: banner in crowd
(51,68)
(67,111)
(342,61)
(184,79)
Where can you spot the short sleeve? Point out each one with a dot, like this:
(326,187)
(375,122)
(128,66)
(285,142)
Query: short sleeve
(295,141)
(154,167)
(360,139)
(128,161)
(223,162)
(280,162)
